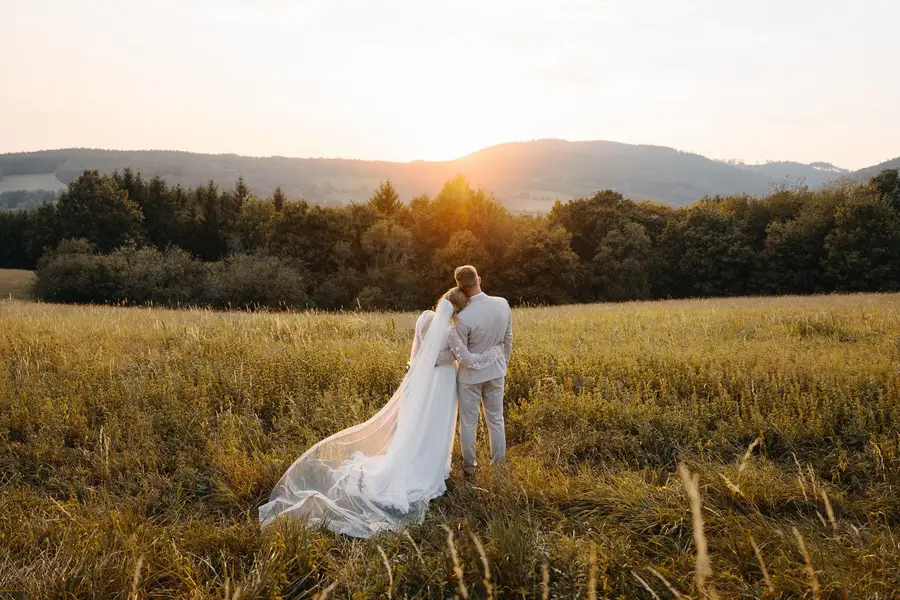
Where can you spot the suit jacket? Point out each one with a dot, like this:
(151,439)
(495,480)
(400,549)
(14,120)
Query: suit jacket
(484,323)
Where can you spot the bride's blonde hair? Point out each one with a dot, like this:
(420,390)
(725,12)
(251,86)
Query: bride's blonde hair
(458,298)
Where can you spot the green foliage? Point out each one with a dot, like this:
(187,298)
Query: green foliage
(590,220)
(243,281)
(382,254)
(708,254)
(538,265)
(461,249)
(887,185)
(164,213)
(14,241)
(252,224)
(75,272)
(385,200)
(387,243)
(863,248)
(310,235)
(97,209)
(615,240)
(207,224)
(279,198)
(621,266)
(794,252)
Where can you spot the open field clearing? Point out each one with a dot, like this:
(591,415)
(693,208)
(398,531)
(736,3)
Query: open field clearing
(136,445)
(42,181)
(15,284)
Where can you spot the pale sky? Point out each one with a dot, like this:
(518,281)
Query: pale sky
(801,80)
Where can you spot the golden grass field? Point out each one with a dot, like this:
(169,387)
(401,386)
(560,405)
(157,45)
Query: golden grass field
(136,444)
(15,284)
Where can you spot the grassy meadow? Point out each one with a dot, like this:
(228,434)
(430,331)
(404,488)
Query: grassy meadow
(15,284)
(136,445)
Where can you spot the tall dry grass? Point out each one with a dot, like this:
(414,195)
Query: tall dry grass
(136,444)
(16,284)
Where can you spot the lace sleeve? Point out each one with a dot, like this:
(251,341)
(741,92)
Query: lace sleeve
(473,360)
(445,357)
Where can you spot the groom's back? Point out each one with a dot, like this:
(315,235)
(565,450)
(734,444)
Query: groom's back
(482,325)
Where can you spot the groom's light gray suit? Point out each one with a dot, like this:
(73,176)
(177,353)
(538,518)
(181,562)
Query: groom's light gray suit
(483,324)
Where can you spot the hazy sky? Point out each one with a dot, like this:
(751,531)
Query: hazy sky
(407,79)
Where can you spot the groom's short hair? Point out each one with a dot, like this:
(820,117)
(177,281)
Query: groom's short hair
(466,277)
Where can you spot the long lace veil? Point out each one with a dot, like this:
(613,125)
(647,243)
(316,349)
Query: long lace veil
(353,481)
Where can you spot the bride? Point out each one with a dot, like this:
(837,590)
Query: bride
(381,474)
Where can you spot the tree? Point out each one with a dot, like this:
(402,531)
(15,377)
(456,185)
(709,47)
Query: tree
(385,200)
(606,217)
(792,257)
(132,182)
(863,248)
(309,235)
(278,199)
(621,266)
(887,183)
(537,267)
(206,236)
(455,208)
(96,209)
(163,211)
(240,194)
(387,243)
(251,227)
(463,248)
(391,280)
(382,254)
(588,220)
(14,227)
(708,254)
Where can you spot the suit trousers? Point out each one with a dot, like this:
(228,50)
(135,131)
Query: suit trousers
(472,396)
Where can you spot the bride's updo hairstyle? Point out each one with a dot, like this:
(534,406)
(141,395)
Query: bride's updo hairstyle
(458,298)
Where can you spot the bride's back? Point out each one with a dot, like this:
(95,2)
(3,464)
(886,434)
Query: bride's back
(422,326)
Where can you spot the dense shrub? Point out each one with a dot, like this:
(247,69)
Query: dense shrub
(75,272)
(245,281)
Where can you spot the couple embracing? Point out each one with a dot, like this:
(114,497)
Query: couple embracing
(381,474)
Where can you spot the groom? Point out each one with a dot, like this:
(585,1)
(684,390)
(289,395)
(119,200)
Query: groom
(484,323)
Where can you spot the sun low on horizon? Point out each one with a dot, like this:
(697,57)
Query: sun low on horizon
(427,80)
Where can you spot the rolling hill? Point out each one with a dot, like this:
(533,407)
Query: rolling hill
(863,174)
(526,176)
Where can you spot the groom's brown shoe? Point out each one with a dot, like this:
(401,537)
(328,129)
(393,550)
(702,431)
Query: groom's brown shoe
(469,473)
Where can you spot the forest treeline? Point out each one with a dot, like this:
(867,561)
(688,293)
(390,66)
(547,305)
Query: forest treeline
(122,238)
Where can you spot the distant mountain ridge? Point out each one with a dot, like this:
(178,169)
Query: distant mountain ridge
(864,174)
(525,176)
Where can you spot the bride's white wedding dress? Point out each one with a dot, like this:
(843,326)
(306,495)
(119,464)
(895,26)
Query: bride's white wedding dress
(381,474)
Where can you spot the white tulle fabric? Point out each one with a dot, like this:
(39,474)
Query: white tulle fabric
(381,474)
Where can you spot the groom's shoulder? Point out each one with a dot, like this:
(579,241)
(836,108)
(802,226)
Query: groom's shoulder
(500,301)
